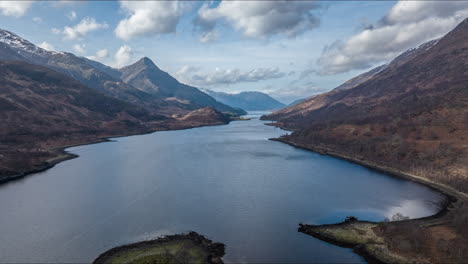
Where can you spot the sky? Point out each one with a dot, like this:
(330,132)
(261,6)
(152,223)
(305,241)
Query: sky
(288,49)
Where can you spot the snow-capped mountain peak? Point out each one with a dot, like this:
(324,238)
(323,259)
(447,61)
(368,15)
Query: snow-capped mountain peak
(21,44)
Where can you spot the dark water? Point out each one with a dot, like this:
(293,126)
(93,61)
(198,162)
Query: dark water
(227,182)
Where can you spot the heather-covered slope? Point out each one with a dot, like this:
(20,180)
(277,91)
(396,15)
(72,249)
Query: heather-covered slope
(360,78)
(411,116)
(43,110)
(253,101)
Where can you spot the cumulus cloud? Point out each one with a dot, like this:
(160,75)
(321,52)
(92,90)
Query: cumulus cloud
(15,8)
(103,53)
(80,48)
(260,19)
(46,46)
(192,75)
(100,55)
(80,30)
(123,56)
(406,25)
(150,17)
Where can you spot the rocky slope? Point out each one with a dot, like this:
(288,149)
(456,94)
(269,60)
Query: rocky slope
(146,76)
(411,116)
(128,84)
(251,101)
(360,78)
(49,100)
(43,110)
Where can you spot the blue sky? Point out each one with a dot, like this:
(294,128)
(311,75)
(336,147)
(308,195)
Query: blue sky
(290,50)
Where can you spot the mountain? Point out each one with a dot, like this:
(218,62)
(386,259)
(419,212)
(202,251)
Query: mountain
(360,78)
(251,101)
(410,116)
(295,102)
(49,100)
(87,72)
(145,75)
(40,108)
(110,81)
(43,110)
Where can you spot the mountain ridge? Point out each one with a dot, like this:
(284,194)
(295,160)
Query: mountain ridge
(145,75)
(104,78)
(411,112)
(250,100)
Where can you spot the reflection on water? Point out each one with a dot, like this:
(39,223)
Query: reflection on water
(228,182)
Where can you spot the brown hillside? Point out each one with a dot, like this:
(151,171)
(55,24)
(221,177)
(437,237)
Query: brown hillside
(411,116)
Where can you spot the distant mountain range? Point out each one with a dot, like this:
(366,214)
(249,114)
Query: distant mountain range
(251,101)
(142,83)
(410,114)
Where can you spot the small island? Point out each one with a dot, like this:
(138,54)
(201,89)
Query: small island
(182,248)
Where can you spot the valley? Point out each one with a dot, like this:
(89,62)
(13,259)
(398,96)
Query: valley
(286,131)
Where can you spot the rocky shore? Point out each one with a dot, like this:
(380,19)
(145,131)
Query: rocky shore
(441,238)
(182,248)
(32,155)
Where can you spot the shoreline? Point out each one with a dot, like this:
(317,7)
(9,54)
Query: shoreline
(344,234)
(160,249)
(442,188)
(61,154)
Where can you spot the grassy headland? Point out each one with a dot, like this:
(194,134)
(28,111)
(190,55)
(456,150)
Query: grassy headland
(441,238)
(185,248)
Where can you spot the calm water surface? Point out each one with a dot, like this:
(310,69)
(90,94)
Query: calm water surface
(229,183)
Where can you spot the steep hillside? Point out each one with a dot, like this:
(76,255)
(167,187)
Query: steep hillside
(412,115)
(252,101)
(89,73)
(43,110)
(169,96)
(146,76)
(360,78)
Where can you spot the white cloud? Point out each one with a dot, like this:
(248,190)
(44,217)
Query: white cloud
(80,48)
(407,24)
(103,53)
(100,55)
(80,30)
(123,56)
(150,17)
(56,31)
(260,18)
(15,8)
(71,15)
(208,36)
(193,76)
(46,46)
